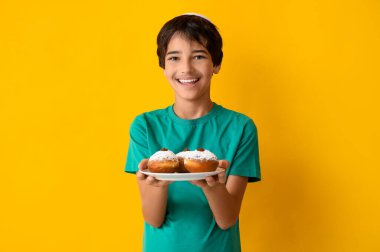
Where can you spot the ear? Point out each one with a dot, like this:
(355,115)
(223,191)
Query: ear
(216,69)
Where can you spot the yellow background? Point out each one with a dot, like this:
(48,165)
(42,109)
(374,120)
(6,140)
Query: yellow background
(73,74)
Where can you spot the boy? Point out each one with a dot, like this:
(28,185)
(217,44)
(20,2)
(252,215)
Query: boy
(199,215)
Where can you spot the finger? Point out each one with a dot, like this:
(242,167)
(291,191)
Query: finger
(150,180)
(143,164)
(224,164)
(199,183)
(140,175)
(210,181)
(222,177)
(163,182)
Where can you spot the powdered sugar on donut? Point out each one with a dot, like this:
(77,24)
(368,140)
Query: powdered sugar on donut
(183,154)
(197,155)
(163,155)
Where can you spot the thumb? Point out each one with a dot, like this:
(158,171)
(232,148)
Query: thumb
(224,164)
(143,164)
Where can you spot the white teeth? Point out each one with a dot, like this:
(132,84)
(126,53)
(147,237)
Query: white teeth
(188,81)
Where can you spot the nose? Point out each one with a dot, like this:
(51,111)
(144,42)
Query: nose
(186,66)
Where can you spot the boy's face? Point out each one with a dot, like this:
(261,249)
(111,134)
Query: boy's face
(189,68)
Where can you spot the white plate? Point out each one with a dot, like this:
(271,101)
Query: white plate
(182,176)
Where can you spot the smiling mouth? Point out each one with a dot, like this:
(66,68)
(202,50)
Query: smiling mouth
(188,82)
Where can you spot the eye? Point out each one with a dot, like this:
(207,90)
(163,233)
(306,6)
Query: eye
(198,57)
(172,58)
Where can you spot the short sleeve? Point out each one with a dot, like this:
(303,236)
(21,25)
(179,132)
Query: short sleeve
(246,160)
(138,144)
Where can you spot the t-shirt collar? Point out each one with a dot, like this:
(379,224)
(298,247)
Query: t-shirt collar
(196,121)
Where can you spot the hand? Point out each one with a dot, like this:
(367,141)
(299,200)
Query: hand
(149,180)
(212,181)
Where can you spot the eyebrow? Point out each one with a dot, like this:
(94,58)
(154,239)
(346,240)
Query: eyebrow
(194,51)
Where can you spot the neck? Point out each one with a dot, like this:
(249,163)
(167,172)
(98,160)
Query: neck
(192,110)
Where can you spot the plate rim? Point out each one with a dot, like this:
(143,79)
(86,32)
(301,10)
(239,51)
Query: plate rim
(181,176)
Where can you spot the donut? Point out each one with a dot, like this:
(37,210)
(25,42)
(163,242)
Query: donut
(180,156)
(163,161)
(200,160)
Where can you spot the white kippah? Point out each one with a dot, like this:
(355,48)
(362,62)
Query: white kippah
(196,14)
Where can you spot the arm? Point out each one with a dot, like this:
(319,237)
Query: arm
(224,199)
(153,194)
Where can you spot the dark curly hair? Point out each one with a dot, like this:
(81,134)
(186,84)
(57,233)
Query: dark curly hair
(195,28)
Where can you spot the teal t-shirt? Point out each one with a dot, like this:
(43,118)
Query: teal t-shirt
(189,224)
